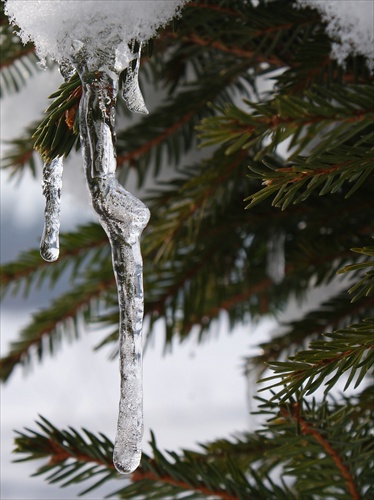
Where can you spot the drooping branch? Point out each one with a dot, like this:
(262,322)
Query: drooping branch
(45,323)
(307,429)
(140,475)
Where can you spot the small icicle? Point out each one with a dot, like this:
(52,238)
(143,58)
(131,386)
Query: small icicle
(123,217)
(52,183)
(275,257)
(131,92)
(66,69)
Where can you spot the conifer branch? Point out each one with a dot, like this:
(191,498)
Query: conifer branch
(336,312)
(20,153)
(71,454)
(140,475)
(83,247)
(155,141)
(307,429)
(251,55)
(215,8)
(349,350)
(8,61)
(44,331)
(365,286)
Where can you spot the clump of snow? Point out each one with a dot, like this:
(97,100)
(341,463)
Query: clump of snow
(351,23)
(60,28)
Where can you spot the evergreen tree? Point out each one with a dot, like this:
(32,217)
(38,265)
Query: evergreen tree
(219,232)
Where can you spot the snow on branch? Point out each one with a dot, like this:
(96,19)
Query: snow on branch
(59,27)
(351,24)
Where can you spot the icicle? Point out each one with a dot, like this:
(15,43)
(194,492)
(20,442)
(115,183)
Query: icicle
(66,69)
(275,257)
(52,183)
(123,217)
(131,92)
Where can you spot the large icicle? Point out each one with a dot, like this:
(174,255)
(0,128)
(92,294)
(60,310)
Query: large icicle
(95,37)
(123,217)
(52,184)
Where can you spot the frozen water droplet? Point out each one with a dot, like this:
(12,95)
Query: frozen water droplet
(123,217)
(131,92)
(66,69)
(52,184)
(275,257)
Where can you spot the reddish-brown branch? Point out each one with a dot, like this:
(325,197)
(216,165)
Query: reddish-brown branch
(8,62)
(232,301)
(156,140)
(242,53)
(307,429)
(215,8)
(270,354)
(139,475)
(7,278)
(60,454)
(15,357)
(299,374)
(20,160)
(205,195)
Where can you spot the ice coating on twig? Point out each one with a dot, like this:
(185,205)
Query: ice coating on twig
(131,92)
(52,184)
(123,217)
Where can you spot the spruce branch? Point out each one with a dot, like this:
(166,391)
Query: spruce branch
(350,350)
(301,118)
(365,286)
(335,313)
(49,326)
(328,173)
(58,132)
(75,457)
(318,441)
(86,247)
(184,474)
(307,429)
(340,116)
(21,154)
(277,34)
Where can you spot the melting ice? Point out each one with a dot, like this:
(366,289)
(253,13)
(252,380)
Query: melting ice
(52,183)
(97,38)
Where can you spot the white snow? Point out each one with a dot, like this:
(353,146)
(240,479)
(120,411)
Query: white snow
(59,28)
(351,24)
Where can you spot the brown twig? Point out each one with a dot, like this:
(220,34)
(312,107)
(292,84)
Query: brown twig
(8,363)
(59,454)
(307,429)
(140,475)
(156,140)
